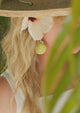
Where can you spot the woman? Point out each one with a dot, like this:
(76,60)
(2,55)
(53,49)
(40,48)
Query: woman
(25,66)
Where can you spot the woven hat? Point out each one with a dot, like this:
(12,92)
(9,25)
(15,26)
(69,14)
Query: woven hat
(19,8)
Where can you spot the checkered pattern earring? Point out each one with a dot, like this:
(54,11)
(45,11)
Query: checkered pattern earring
(40,48)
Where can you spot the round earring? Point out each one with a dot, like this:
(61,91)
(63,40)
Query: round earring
(40,48)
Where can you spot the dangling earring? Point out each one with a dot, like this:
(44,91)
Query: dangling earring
(40,48)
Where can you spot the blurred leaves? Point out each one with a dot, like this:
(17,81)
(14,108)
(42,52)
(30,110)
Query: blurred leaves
(56,62)
(75,10)
(73,100)
(50,66)
(0,2)
(3,65)
(4,27)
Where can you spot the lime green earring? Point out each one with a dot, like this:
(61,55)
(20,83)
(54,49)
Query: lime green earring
(40,48)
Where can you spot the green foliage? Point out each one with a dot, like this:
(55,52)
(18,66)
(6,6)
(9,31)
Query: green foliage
(3,65)
(0,2)
(56,62)
(4,27)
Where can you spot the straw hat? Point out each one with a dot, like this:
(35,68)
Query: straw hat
(20,8)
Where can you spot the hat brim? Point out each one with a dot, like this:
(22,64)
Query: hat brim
(39,8)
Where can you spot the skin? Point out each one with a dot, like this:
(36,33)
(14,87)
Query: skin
(5,95)
(49,39)
(5,90)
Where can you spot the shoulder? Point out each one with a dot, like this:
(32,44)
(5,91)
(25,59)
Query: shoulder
(5,95)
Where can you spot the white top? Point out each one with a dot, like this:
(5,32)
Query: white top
(19,97)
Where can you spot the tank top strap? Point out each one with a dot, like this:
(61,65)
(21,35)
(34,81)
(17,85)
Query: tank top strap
(10,80)
(19,96)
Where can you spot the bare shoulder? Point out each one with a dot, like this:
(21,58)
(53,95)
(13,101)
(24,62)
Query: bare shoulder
(5,95)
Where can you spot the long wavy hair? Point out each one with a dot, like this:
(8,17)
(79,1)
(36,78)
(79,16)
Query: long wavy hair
(22,62)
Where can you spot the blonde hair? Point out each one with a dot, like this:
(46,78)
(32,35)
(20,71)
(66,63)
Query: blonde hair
(22,62)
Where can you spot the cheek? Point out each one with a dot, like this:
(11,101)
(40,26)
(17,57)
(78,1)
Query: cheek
(48,39)
(52,34)
(43,60)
